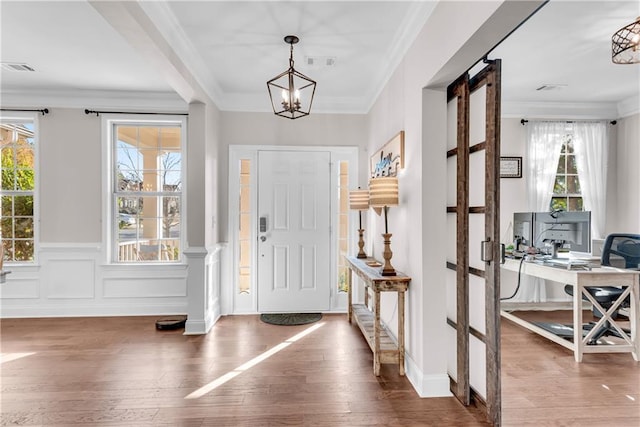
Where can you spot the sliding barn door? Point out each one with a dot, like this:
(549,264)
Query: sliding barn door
(473,249)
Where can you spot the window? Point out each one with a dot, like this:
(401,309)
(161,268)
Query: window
(566,189)
(343,225)
(244,232)
(17,197)
(147,188)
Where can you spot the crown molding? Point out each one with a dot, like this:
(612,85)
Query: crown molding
(148,101)
(560,110)
(168,25)
(413,24)
(629,107)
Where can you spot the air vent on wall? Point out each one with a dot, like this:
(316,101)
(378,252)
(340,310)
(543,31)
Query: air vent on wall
(320,61)
(551,87)
(16,66)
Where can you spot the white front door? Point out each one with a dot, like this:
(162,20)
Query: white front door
(293,231)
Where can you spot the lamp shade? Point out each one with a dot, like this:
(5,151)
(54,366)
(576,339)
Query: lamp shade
(359,200)
(625,44)
(383,191)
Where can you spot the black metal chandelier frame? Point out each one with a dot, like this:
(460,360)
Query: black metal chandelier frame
(625,44)
(292,85)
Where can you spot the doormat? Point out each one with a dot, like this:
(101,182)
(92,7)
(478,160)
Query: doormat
(290,319)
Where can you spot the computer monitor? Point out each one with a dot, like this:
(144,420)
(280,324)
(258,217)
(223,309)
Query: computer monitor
(522,230)
(562,229)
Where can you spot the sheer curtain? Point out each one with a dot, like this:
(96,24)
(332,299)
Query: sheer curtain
(591,148)
(544,141)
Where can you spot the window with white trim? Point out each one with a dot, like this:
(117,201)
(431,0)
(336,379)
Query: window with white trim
(147,191)
(567,195)
(18,192)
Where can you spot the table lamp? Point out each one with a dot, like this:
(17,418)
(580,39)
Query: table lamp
(383,192)
(359,200)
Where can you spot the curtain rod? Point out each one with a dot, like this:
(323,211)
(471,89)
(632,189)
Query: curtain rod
(97,113)
(43,111)
(525,121)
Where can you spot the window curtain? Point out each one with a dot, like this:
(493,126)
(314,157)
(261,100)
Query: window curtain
(544,141)
(591,148)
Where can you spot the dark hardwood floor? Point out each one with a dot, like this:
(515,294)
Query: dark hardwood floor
(123,372)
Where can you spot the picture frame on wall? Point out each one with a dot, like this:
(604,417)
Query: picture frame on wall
(510,167)
(388,160)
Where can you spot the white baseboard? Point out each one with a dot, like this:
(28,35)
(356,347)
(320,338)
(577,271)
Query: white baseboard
(427,385)
(79,308)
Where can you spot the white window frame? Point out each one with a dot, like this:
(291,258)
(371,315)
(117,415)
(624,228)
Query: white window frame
(8,116)
(109,237)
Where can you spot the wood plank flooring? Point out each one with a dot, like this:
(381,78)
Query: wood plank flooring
(542,385)
(123,372)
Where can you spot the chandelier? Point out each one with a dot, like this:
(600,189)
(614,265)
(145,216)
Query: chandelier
(625,44)
(292,90)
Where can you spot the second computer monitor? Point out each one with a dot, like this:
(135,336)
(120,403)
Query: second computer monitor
(572,228)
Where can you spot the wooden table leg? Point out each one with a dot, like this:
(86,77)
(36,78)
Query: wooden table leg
(578,342)
(634,317)
(349,295)
(376,334)
(401,332)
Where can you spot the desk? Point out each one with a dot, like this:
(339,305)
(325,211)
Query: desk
(580,279)
(383,347)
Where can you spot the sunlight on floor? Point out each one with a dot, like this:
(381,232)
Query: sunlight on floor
(8,357)
(251,363)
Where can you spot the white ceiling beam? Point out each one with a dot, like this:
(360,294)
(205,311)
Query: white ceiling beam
(135,26)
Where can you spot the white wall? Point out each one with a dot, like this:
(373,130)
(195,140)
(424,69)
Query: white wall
(627,176)
(269,129)
(455,36)
(70,179)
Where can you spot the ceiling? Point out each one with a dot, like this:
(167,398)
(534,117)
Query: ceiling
(90,53)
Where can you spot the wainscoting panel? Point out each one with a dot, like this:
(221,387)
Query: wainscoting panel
(17,287)
(74,280)
(70,278)
(154,287)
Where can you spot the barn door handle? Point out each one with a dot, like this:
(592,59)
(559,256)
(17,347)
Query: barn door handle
(486,254)
(502,253)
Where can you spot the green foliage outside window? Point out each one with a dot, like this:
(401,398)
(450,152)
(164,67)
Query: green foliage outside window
(567,194)
(18,183)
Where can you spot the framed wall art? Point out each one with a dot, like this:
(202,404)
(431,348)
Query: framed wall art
(510,167)
(388,160)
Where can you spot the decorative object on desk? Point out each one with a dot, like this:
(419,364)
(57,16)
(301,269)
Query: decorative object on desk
(625,44)
(390,158)
(290,319)
(510,167)
(359,201)
(295,89)
(383,192)
(373,264)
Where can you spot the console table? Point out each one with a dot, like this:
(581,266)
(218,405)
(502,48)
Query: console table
(384,348)
(580,279)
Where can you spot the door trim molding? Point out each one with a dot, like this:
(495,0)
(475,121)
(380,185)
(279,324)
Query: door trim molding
(232,301)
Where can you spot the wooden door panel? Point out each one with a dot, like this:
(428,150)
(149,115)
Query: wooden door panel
(473,218)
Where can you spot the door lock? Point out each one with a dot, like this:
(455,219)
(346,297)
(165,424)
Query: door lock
(263,238)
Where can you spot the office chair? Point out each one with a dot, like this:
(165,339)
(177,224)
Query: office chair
(622,251)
